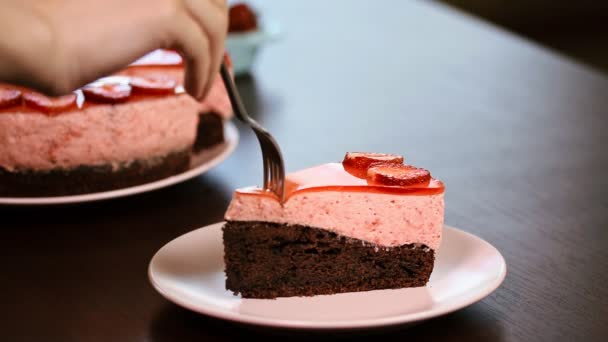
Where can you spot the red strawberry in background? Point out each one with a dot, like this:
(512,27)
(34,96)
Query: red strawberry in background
(241,18)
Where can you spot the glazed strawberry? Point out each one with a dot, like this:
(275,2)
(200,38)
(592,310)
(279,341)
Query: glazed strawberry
(152,86)
(107,93)
(357,163)
(49,105)
(9,97)
(241,18)
(398,175)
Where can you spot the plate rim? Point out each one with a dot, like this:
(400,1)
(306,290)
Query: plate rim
(230,143)
(236,317)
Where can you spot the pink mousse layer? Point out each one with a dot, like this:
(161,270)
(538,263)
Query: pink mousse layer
(385,218)
(217,100)
(98,134)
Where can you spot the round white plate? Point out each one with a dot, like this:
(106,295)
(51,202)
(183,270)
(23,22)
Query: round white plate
(201,162)
(189,271)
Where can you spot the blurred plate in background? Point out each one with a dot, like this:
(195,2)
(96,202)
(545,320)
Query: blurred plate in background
(243,47)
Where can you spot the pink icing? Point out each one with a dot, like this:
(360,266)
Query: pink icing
(383,219)
(328,197)
(217,100)
(97,135)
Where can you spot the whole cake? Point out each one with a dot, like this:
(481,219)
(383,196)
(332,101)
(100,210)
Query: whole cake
(128,129)
(368,223)
(114,133)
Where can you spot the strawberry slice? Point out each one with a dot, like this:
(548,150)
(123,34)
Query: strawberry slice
(152,86)
(398,175)
(357,163)
(241,18)
(107,93)
(49,105)
(9,97)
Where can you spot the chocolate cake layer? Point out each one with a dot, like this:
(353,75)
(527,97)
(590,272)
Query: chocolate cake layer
(89,179)
(210,131)
(269,260)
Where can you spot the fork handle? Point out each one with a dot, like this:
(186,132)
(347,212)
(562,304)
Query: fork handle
(233,94)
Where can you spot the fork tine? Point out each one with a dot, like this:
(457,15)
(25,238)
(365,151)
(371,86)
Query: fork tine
(266,174)
(267,155)
(277,176)
(265,159)
(275,166)
(267,168)
(273,162)
(273,174)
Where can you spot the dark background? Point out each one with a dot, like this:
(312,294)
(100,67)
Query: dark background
(578,29)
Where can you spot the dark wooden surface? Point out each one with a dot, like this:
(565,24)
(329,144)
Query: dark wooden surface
(517,133)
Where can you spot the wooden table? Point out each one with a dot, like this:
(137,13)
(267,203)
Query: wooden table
(517,133)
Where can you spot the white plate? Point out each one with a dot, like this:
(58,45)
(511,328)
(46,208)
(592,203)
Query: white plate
(189,271)
(201,162)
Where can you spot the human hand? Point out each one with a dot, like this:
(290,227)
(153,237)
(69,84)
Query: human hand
(59,45)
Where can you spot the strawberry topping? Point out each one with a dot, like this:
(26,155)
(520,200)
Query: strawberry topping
(49,105)
(398,175)
(152,86)
(107,93)
(241,18)
(109,90)
(357,163)
(9,97)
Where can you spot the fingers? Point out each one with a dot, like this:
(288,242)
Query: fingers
(212,17)
(194,45)
(113,33)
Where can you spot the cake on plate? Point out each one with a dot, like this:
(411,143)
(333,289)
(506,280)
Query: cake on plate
(368,223)
(128,129)
(114,133)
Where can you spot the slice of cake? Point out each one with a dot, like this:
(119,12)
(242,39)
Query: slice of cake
(368,223)
(114,133)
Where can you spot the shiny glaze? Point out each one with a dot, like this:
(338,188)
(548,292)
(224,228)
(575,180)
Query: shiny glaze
(333,177)
(156,58)
(23,106)
(49,105)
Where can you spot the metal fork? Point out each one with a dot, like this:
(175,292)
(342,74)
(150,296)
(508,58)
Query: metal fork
(274,169)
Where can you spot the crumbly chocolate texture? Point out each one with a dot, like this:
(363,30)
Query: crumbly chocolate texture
(269,260)
(210,131)
(89,179)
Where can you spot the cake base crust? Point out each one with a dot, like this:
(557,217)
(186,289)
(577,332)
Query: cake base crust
(210,131)
(89,179)
(269,260)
